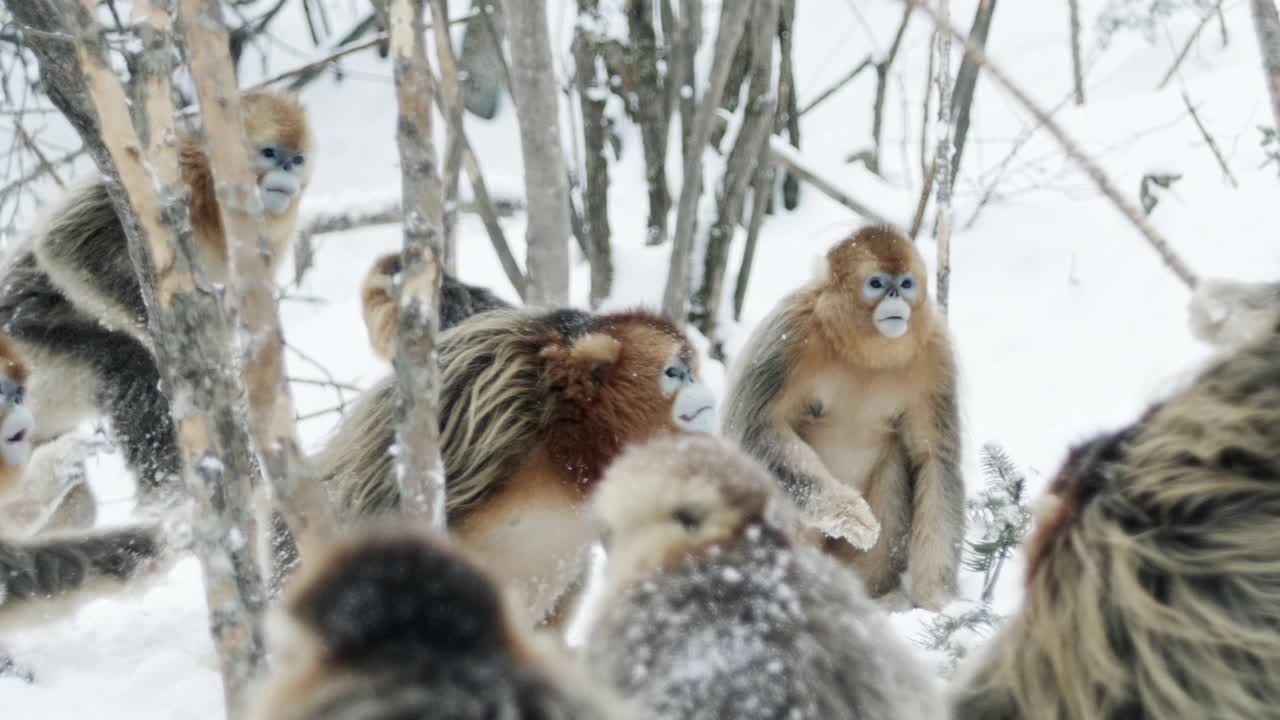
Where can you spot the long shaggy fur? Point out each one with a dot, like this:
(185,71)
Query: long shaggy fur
(508,378)
(713,609)
(393,624)
(1154,584)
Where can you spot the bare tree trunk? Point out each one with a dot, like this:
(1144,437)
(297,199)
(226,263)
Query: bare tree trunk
(651,109)
(967,82)
(681,82)
(787,97)
(592,94)
(675,299)
(298,492)
(926,167)
(738,70)
(1090,168)
(753,136)
(761,193)
(451,99)
(419,469)
(1267,24)
(1077,72)
(882,84)
(184,321)
(533,84)
(942,158)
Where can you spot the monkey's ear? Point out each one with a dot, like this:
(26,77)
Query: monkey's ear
(577,368)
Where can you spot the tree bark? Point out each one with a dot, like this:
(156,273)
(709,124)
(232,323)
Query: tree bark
(592,94)
(942,157)
(967,81)
(675,300)
(753,137)
(787,102)
(419,468)
(1267,24)
(651,110)
(451,99)
(1077,71)
(681,81)
(183,317)
(533,84)
(298,492)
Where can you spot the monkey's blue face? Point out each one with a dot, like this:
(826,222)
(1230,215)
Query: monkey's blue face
(892,297)
(694,405)
(281,172)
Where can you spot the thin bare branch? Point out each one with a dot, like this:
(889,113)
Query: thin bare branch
(834,87)
(1186,48)
(1091,169)
(1208,139)
(35,150)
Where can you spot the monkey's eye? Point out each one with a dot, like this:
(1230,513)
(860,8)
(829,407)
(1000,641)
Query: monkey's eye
(689,518)
(876,283)
(674,372)
(268,153)
(906,284)
(299,159)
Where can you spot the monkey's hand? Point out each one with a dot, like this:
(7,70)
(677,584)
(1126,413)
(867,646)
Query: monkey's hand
(931,597)
(849,518)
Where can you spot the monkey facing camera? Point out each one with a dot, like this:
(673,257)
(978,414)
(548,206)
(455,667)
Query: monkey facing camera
(847,392)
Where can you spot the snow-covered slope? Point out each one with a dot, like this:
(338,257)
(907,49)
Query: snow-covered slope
(1064,320)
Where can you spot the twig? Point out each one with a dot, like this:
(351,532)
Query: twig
(39,171)
(1091,169)
(1186,48)
(835,86)
(325,383)
(1077,71)
(35,149)
(1213,145)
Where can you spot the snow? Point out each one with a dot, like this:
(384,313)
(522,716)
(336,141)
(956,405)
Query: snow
(1065,322)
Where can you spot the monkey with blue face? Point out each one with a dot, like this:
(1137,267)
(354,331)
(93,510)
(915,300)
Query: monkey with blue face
(71,301)
(847,392)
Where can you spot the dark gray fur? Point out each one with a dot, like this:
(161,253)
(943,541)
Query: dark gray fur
(757,629)
(36,313)
(460,300)
(54,567)
(410,629)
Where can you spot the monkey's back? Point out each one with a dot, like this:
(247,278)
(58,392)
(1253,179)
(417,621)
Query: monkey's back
(756,631)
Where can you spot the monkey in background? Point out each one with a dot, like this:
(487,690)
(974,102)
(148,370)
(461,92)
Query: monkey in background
(458,301)
(847,392)
(391,623)
(1153,574)
(534,405)
(713,608)
(72,303)
(52,575)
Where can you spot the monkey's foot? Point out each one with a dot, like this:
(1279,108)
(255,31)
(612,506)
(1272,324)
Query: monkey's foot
(931,597)
(850,520)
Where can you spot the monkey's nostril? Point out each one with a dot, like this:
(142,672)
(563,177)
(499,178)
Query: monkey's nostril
(17,437)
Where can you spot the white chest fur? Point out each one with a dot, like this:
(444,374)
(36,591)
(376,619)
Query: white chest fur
(539,546)
(847,421)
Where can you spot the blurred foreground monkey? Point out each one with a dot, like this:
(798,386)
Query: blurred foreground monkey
(393,624)
(1230,314)
(458,301)
(533,406)
(72,303)
(46,577)
(711,608)
(1153,574)
(846,391)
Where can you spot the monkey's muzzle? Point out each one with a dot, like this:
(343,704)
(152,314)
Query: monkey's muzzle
(694,409)
(277,192)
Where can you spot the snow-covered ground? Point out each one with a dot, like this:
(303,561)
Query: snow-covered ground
(1065,321)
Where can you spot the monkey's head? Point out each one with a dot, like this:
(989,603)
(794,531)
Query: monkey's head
(379,611)
(16,421)
(675,495)
(277,129)
(1154,564)
(616,379)
(873,295)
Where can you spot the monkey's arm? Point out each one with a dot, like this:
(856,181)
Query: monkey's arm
(931,433)
(57,568)
(827,504)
